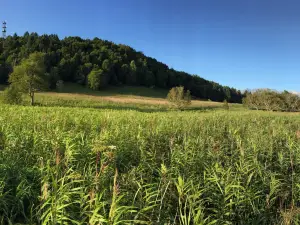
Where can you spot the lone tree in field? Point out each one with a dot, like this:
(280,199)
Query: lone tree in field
(179,98)
(96,79)
(29,77)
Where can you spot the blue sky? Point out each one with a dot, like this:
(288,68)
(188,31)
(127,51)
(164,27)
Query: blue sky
(240,43)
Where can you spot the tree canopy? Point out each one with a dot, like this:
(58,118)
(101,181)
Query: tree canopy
(29,76)
(96,79)
(72,59)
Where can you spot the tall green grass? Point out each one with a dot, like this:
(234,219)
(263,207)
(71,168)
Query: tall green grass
(85,166)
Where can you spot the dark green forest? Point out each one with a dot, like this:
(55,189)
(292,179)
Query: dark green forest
(72,59)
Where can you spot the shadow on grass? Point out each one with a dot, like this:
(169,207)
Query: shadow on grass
(138,91)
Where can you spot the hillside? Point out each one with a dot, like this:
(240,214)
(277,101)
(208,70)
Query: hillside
(72,59)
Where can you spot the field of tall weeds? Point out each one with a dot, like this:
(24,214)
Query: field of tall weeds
(87,166)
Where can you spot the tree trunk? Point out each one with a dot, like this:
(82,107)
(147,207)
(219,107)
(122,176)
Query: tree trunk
(32,98)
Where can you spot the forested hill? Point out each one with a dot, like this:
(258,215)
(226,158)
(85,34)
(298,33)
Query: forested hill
(73,58)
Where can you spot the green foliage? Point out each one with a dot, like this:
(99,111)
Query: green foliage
(97,79)
(124,76)
(82,73)
(109,75)
(106,65)
(12,95)
(132,75)
(73,58)
(179,98)
(53,77)
(272,101)
(29,77)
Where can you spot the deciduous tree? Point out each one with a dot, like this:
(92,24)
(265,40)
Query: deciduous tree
(96,79)
(29,77)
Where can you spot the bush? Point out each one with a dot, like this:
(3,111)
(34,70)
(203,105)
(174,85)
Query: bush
(225,105)
(12,95)
(179,98)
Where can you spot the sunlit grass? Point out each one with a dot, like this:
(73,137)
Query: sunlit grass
(127,97)
(110,166)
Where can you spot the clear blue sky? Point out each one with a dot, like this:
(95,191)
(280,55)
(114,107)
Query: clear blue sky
(240,43)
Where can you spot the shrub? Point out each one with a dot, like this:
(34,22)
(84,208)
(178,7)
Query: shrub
(179,98)
(12,95)
(225,105)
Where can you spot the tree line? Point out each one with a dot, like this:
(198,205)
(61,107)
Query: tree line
(101,63)
(266,99)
